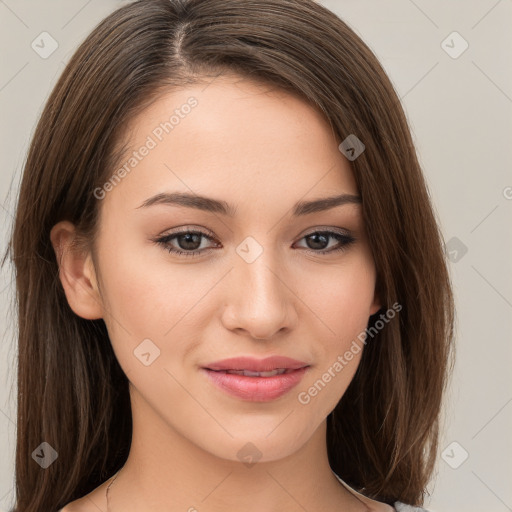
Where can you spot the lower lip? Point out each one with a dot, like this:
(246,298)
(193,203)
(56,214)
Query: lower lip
(256,389)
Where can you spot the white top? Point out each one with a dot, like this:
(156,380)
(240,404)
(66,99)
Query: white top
(398,505)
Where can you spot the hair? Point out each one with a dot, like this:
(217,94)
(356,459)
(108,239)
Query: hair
(382,436)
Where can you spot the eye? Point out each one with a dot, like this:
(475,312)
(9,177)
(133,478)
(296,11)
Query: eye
(189,242)
(320,240)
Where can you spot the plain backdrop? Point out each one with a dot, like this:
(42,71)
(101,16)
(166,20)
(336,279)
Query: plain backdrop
(459,104)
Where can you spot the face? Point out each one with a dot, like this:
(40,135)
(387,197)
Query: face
(263,278)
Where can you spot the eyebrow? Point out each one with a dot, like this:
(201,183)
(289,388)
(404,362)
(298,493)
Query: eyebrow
(209,204)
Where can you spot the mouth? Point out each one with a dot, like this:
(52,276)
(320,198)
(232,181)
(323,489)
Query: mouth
(249,373)
(253,367)
(256,388)
(263,381)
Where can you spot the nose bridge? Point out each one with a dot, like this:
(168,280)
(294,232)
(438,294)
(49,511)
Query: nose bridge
(258,267)
(260,301)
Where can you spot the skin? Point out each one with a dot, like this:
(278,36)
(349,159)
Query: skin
(261,150)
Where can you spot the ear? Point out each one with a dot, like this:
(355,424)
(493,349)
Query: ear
(76,273)
(376,304)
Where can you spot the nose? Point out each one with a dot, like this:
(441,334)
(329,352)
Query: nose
(260,298)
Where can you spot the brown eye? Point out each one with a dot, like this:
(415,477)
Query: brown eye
(188,242)
(318,241)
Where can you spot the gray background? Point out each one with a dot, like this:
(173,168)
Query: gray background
(459,110)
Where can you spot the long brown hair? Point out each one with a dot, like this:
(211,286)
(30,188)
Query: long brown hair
(382,436)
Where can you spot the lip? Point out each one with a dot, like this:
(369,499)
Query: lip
(256,389)
(256,365)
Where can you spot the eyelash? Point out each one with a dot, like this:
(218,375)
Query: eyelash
(344,239)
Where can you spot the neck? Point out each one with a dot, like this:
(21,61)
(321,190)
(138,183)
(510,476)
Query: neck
(166,472)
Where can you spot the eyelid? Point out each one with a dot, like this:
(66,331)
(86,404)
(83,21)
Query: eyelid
(211,235)
(319,229)
(346,239)
(188,228)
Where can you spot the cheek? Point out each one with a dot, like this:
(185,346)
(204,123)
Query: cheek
(342,297)
(344,313)
(343,303)
(149,297)
(142,301)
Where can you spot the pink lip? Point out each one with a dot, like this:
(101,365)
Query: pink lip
(256,389)
(256,365)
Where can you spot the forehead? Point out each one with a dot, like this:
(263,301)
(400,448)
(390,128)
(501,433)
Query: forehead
(229,136)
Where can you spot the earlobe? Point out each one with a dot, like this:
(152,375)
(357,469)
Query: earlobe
(376,304)
(76,273)
(374,309)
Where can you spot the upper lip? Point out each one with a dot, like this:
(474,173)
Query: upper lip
(256,365)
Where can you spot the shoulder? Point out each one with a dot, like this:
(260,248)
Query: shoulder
(402,507)
(70,507)
(92,502)
(76,506)
(80,505)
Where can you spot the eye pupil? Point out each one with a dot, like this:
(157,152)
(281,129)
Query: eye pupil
(316,236)
(190,238)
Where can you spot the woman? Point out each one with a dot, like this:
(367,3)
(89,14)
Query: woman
(231,284)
